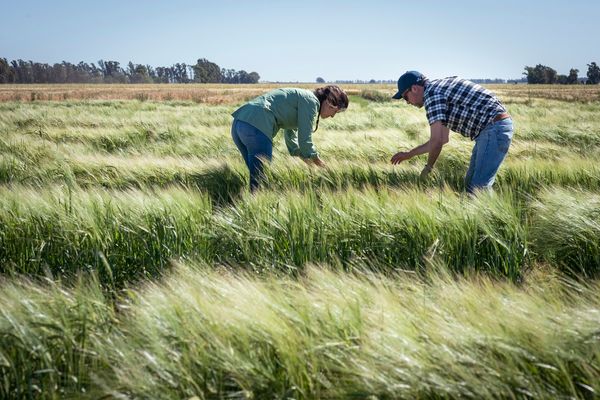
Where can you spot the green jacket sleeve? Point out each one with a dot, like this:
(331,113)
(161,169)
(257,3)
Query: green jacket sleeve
(307,112)
(291,141)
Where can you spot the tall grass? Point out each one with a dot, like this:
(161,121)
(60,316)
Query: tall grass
(414,302)
(123,144)
(327,335)
(52,338)
(137,232)
(228,179)
(566,228)
(395,229)
(126,236)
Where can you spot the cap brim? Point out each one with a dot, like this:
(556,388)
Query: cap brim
(397,96)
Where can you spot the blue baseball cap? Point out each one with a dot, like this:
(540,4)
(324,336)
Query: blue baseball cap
(407,79)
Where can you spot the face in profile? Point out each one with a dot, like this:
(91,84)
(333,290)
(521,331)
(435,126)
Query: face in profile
(414,95)
(330,110)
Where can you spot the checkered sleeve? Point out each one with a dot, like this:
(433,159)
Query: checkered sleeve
(436,106)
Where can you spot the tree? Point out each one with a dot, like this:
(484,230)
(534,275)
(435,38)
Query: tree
(320,80)
(23,71)
(243,77)
(572,78)
(112,71)
(180,73)
(138,73)
(253,77)
(19,71)
(162,75)
(228,75)
(7,74)
(533,76)
(59,73)
(206,72)
(540,74)
(96,72)
(593,74)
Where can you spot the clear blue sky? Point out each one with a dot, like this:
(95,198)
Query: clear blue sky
(303,39)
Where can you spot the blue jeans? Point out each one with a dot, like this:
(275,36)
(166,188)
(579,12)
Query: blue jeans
(255,147)
(491,146)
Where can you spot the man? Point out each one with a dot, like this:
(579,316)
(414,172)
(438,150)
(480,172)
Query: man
(467,108)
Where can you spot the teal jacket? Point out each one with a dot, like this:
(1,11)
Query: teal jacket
(293,110)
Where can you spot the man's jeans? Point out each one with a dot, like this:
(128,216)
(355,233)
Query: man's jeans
(491,146)
(255,147)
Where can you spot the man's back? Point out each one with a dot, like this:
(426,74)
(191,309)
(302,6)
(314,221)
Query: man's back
(463,106)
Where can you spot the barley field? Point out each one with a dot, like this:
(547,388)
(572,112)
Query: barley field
(135,264)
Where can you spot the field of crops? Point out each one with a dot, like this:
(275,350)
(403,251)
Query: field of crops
(134,263)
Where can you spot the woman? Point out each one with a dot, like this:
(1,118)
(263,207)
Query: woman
(257,122)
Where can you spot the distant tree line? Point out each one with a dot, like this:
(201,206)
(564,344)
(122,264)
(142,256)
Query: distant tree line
(204,71)
(542,74)
(539,74)
(491,81)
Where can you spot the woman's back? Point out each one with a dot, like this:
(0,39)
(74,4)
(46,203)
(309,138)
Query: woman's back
(285,108)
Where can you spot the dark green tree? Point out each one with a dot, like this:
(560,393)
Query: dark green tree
(7,74)
(20,71)
(164,75)
(23,71)
(206,72)
(180,73)
(253,77)
(593,74)
(572,78)
(138,73)
(540,74)
(112,72)
(228,75)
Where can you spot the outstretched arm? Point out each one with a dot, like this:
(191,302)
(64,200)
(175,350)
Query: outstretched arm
(438,137)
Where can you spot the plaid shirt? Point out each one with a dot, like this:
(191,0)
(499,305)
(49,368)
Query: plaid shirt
(461,105)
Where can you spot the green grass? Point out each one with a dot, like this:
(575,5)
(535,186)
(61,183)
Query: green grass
(137,232)
(326,335)
(123,144)
(109,207)
(566,228)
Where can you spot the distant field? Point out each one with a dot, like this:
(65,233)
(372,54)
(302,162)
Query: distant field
(135,264)
(228,94)
(199,93)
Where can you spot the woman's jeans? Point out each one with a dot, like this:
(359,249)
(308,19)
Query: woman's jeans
(255,147)
(491,146)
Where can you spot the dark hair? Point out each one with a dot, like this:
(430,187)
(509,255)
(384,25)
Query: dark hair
(332,93)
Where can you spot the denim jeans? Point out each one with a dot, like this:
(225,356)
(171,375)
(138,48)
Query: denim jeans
(491,146)
(255,147)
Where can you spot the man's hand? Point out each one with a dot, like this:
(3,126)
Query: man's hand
(425,173)
(399,157)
